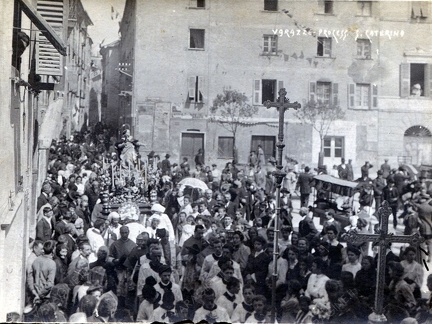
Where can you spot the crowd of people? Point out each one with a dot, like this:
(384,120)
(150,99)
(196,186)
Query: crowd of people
(165,251)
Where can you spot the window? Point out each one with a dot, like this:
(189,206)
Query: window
(271,5)
(225,147)
(334,146)
(195,89)
(270,44)
(363,49)
(364,8)
(196,39)
(413,76)
(324,47)
(197,4)
(362,96)
(419,10)
(266,89)
(326,6)
(326,93)
(323,92)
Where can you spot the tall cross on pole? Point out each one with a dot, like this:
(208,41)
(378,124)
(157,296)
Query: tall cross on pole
(382,238)
(282,104)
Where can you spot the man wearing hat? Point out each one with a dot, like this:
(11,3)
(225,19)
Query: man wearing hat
(304,185)
(43,197)
(378,185)
(365,169)
(391,194)
(424,210)
(44,227)
(166,165)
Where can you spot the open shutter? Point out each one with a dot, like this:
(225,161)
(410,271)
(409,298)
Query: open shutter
(351,95)
(257,94)
(191,88)
(312,90)
(280,85)
(374,95)
(335,92)
(428,81)
(201,89)
(48,59)
(327,47)
(404,80)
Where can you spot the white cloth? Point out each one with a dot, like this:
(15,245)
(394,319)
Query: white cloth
(353,268)
(135,229)
(178,296)
(316,286)
(96,241)
(219,315)
(229,305)
(165,222)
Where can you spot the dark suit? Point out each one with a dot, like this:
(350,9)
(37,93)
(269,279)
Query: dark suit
(60,229)
(307,228)
(259,266)
(304,184)
(43,230)
(41,200)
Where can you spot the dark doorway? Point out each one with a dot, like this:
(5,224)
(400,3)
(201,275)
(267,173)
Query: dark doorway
(268,144)
(191,143)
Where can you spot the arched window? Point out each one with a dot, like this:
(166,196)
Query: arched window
(418,131)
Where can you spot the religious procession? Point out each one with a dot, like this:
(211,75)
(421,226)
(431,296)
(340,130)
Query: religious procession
(122,237)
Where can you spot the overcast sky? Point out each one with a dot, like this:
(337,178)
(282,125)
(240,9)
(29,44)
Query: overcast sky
(105,29)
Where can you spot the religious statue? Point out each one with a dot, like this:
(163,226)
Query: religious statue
(128,147)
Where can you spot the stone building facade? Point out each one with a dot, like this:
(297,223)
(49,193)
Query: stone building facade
(362,55)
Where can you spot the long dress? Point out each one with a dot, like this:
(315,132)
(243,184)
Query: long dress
(128,154)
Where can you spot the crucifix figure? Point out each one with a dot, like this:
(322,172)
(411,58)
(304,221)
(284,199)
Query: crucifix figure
(282,104)
(382,239)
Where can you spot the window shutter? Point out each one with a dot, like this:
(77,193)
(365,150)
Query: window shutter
(404,80)
(201,89)
(327,47)
(280,85)
(351,95)
(191,87)
(257,95)
(428,81)
(312,90)
(335,90)
(374,95)
(48,59)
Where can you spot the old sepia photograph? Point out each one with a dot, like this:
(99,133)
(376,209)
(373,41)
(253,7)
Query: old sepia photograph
(216,161)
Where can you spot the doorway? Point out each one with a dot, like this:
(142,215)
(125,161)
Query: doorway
(190,144)
(268,144)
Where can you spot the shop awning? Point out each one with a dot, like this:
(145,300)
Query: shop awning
(43,26)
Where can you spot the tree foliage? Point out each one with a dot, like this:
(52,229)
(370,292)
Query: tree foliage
(320,115)
(230,110)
